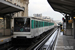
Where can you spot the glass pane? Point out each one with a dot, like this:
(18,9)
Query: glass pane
(22,24)
(32,22)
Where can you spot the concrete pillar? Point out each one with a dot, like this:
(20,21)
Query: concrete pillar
(74,28)
(73,15)
(68,26)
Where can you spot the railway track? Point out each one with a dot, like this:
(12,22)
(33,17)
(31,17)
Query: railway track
(36,44)
(42,41)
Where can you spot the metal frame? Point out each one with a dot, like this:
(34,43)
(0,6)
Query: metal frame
(6,8)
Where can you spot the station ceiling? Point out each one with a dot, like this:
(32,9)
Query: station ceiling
(7,8)
(63,6)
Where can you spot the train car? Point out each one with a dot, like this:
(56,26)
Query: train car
(30,27)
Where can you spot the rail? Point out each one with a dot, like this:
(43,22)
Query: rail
(35,46)
(41,42)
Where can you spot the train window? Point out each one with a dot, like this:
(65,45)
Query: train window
(39,24)
(36,24)
(46,23)
(22,24)
(32,22)
(43,23)
(49,24)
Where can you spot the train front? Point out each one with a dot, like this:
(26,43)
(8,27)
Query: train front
(21,27)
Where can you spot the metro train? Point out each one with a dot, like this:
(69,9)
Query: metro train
(30,27)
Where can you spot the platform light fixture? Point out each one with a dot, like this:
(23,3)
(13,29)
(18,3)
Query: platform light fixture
(74,17)
(70,21)
(1,18)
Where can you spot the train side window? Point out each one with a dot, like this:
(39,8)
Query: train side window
(43,23)
(40,24)
(32,22)
(50,24)
(36,24)
(46,23)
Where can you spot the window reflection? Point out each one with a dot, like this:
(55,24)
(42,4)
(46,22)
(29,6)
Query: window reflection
(22,24)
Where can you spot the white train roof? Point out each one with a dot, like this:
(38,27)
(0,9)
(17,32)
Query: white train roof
(36,18)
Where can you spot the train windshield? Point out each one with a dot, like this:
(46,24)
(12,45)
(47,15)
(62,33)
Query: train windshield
(21,24)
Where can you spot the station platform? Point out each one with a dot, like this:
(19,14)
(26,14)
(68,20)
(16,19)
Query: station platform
(5,39)
(64,42)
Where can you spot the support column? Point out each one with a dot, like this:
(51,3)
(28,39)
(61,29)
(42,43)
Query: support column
(68,26)
(74,28)
(73,17)
(7,24)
